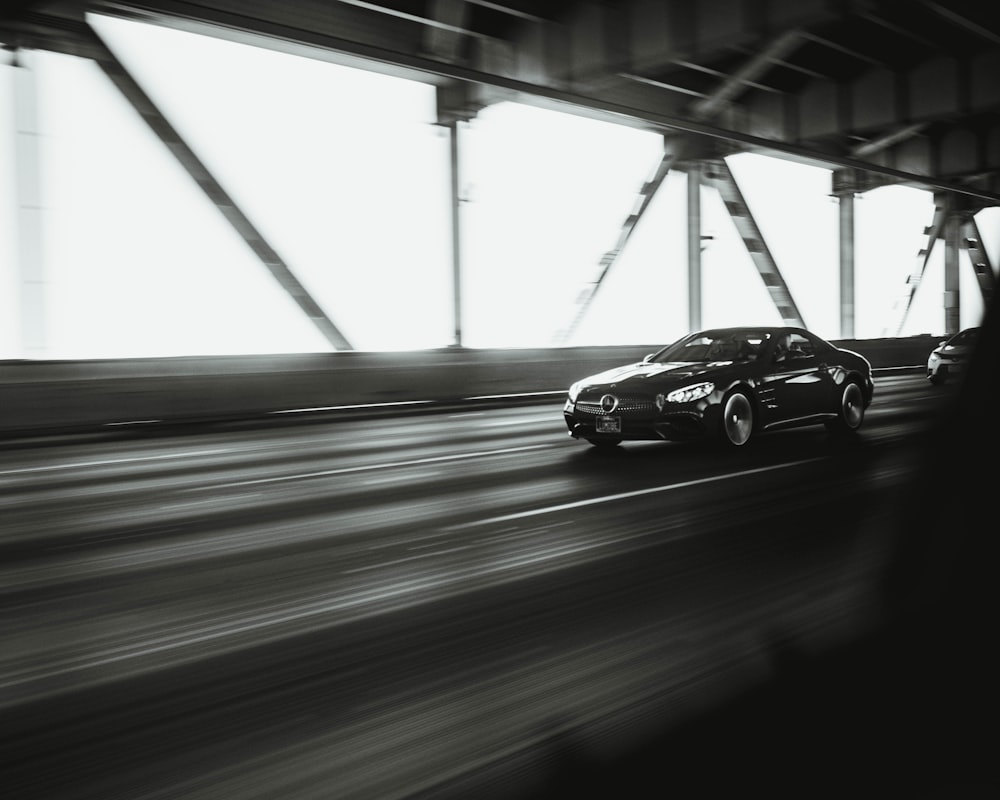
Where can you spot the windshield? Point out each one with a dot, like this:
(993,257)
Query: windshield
(729,345)
(966,338)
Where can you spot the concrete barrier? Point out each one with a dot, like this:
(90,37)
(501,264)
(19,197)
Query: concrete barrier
(57,396)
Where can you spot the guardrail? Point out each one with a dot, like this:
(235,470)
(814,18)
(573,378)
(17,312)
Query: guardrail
(39,397)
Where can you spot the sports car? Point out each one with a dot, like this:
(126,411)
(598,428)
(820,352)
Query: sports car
(726,383)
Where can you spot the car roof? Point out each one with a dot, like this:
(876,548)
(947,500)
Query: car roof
(771,329)
(735,328)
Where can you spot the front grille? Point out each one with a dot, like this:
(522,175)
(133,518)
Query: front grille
(627,407)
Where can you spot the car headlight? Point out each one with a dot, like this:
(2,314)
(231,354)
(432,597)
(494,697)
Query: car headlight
(574,391)
(689,393)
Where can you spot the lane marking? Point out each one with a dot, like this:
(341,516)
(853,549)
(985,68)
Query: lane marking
(610,498)
(360,407)
(510,423)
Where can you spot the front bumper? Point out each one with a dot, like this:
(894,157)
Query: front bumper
(942,368)
(694,421)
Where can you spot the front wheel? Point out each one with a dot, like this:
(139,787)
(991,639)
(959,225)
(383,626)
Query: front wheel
(851,411)
(737,419)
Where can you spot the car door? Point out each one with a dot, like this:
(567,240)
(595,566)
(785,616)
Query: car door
(798,384)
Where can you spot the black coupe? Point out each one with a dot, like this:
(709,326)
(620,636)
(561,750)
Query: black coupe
(731,383)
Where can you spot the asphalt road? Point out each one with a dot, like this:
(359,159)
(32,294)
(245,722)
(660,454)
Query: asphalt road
(441,605)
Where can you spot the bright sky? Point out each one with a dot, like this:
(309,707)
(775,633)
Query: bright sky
(346,175)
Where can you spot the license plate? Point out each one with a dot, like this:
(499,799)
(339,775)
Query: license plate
(609,424)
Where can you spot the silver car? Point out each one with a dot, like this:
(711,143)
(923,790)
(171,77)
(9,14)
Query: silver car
(950,357)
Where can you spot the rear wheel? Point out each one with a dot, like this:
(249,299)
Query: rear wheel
(851,412)
(737,418)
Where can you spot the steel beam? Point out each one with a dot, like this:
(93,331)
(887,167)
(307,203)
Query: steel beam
(957,226)
(721,177)
(642,201)
(444,40)
(704,108)
(952,278)
(847,265)
(962,21)
(456,230)
(694,241)
(778,48)
(331,44)
(933,232)
(972,241)
(186,157)
(895,136)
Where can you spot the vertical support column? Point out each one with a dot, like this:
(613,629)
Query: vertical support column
(952,244)
(456,230)
(846,265)
(30,212)
(694,244)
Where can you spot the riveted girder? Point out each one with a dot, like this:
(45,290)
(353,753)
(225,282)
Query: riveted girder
(207,182)
(718,174)
(643,198)
(956,225)
(972,241)
(933,232)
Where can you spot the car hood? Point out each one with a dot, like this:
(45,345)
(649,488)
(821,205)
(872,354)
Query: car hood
(643,373)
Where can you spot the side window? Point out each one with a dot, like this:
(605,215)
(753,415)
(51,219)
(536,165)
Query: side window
(697,349)
(799,346)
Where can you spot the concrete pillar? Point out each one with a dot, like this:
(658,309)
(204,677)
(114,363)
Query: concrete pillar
(30,210)
(694,245)
(846,265)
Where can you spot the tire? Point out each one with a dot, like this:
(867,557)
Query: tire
(850,411)
(936,379)
(737,419)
